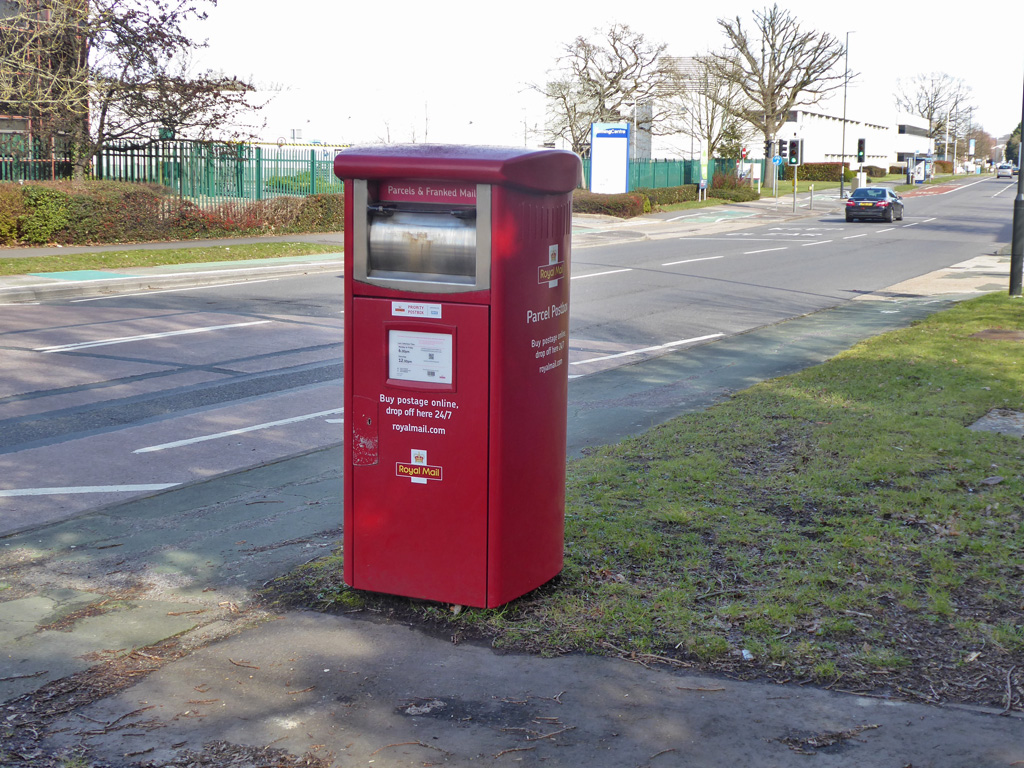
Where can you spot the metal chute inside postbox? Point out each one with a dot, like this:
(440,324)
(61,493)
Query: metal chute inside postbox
(456,357)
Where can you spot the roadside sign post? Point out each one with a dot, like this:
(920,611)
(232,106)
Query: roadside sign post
(776,162)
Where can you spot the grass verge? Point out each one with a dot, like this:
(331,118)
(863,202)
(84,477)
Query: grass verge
(841,526)
(133,259)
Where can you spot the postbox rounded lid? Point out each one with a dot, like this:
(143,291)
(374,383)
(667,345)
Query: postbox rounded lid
(539,170)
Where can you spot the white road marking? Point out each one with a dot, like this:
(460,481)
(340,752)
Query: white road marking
(669,345)
(765,250)
(880,231)
(685,216)
(690,261)
(820,242)
(851,237)
(87,489)
(243,430)
(173,290)
(600,274)
(144,337)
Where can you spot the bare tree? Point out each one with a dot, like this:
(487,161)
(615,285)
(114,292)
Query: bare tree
(777,66)
(706,105)
(603,81)
(100,71)
(939,98)
(44,74)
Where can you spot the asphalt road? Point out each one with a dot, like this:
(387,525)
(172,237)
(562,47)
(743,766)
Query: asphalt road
(106,398)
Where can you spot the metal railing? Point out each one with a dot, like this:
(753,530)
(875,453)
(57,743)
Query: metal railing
(657,174)
(23,159)
(202,170)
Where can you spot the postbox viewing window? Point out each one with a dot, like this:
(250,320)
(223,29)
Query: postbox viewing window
(423,232)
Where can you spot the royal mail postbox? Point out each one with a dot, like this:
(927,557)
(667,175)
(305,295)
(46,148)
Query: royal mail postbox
(456,358)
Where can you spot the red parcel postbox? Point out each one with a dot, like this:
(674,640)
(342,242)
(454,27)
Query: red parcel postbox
(456,358)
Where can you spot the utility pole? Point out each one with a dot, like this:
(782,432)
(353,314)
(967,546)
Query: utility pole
(1017,247)
(842,162)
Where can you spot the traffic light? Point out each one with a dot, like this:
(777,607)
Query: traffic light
(783,149)
(795,150)
(861,153)
(768,147)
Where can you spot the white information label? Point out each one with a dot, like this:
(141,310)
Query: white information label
(424,357)
(415,309)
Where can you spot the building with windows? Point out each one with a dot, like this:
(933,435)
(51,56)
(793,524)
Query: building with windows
(39,56)
(890,140)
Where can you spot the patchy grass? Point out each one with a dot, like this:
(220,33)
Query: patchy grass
(840,526)
(114,260)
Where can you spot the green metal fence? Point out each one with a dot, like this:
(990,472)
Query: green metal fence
(209,174)
(23,159)
(209,171)
(657,174)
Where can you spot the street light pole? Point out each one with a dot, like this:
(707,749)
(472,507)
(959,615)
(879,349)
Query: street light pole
(842,161)
(1017,246)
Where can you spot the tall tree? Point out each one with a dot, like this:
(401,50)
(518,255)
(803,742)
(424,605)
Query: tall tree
(100,71)
(707,104)
(777,65)
(1012,152)
(941,99)
(603,80)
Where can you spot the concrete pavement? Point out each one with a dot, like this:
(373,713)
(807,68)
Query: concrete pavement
(167,582)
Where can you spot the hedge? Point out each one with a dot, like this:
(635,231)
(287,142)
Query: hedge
(815,172)
(72,213)
(624,206)
(640,201)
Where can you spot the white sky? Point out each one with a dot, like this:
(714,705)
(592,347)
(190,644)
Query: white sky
(447,72)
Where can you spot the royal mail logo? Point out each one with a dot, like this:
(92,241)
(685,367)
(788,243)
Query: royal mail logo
(551,272)
(420,472)
(417,469)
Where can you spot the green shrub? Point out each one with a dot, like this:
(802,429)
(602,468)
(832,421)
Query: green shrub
(874,171)
(321,213)
(624,206)
(72,213)
(737,195)
(895,170)
(47,212)
(815,172)
(728,187)
(12,209)
(943,166)
(669,195)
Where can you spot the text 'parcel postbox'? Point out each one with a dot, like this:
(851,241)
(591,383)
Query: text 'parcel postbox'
(456,357)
